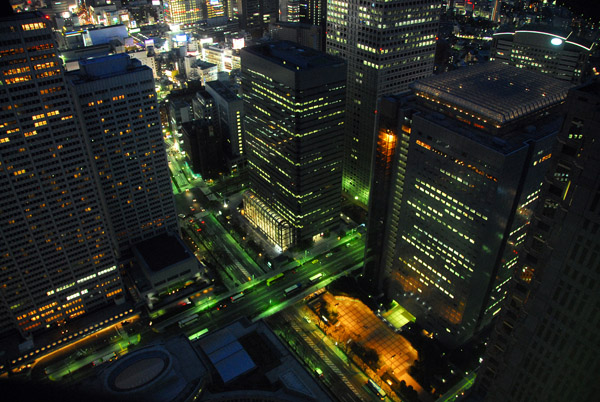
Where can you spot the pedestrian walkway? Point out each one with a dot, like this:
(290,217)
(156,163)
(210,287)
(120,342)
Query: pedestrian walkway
(322,355)
(357,323)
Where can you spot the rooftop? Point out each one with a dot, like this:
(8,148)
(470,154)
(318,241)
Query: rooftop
(162,251)
(223,90)
(293,56)
(495,91)
(253,364)
(167,370)
(105,66)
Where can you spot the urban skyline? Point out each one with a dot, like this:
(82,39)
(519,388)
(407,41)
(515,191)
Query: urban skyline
(408,215)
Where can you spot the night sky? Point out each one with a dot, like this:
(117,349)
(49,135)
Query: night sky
(589,8)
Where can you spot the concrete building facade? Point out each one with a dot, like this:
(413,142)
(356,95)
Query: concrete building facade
(544,345)
(479,141)
(116,100)
(58,260)
(387,46)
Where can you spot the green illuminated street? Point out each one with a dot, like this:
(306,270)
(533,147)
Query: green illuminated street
(459,389)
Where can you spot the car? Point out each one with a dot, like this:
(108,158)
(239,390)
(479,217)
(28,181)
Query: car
(221,306)
(182,216)
(315,261)
(328,255)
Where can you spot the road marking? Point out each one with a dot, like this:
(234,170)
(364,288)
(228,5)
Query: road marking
(322,355)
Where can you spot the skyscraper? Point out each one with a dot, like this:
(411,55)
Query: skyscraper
(478,144)
(545,343)
(313,12)
(294,104)
(116,101)
(178,12)
(248,14)
(230,114)
(57,257)
(214,9)
(387,45)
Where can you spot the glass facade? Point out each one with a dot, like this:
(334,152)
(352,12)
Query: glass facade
(294,106)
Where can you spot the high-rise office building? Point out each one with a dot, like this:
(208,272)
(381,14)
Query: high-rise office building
(204,107)
(214,9)
(230,115)
(203,144)
(57,256)
(313,12)
(543,48)
(479,141)
(248,14)
(181,12)
(294,104)
(303,34)
(545,343)
(387,45)
(116,101)
(289,10)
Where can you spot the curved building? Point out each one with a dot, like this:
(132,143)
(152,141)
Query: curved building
(545,49)
(169,371)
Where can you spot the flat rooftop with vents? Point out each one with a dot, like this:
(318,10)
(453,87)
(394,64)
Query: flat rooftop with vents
(165,259)
(497,94)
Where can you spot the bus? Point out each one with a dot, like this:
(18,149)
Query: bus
(198,334)
(237,297)
(274,278)
(187,321)
(316,277)
(106,358)
(377,389)
(292,289)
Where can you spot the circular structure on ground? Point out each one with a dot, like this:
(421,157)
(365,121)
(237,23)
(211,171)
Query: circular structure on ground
(139,373)
(138,370)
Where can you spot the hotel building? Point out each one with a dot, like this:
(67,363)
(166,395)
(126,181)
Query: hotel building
(116,101)
(58,260)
